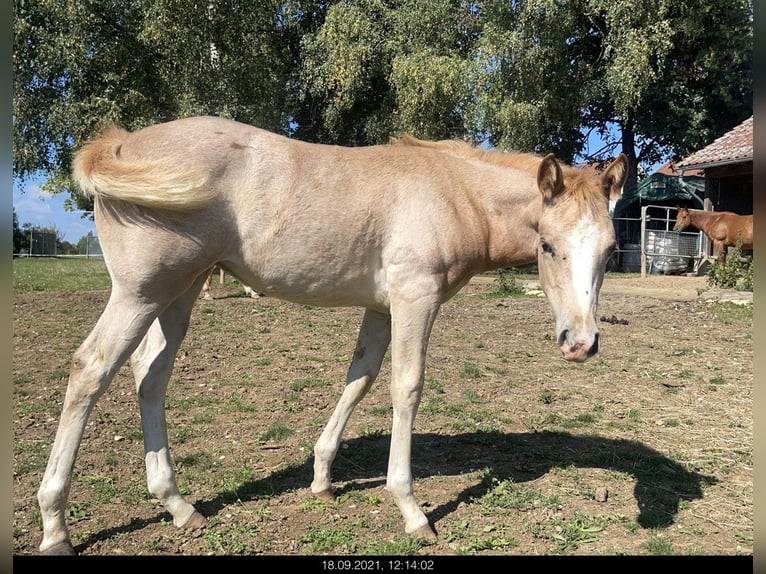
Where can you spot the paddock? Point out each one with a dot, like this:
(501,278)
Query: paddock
(646,449)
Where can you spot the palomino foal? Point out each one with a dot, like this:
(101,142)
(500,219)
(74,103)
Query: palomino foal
(394,229)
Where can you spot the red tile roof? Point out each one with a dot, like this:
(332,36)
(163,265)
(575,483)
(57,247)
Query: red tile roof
(672,169)
(735,146)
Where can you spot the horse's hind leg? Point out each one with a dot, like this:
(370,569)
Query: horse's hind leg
(116,334)
(152,364)
(206,286)
(372,343)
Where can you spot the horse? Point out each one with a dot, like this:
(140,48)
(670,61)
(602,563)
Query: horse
(394,229)
(723,228)
(206,287)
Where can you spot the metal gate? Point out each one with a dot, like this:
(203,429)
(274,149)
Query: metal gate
(666,251)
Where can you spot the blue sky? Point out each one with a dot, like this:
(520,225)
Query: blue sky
(40,209)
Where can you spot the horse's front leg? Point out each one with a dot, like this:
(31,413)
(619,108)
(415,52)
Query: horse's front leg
(152,364)
(412,320)
(720,249)
(372,343)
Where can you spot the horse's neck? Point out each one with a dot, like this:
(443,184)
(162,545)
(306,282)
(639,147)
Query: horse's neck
(512,228)
(702,219)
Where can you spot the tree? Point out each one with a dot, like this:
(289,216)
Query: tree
(529,75)
(652,69)
(20,240)
(375,68)
(81,65)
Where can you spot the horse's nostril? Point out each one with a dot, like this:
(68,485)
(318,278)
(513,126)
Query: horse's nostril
(563,336)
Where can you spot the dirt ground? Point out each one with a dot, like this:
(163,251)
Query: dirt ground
(645,449)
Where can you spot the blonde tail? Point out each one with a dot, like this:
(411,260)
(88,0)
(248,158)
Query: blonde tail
(100,172)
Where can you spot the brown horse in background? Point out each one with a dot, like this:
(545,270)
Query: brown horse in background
(206,287)
(723,228)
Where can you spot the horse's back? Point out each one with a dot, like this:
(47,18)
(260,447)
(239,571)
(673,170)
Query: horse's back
(307,222)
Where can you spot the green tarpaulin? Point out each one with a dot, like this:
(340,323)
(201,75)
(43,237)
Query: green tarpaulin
(659,187)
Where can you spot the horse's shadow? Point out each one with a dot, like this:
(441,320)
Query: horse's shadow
(660,483)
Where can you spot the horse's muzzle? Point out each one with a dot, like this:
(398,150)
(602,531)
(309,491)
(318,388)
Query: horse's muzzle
(577,349)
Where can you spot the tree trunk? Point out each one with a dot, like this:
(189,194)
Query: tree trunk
(629,149)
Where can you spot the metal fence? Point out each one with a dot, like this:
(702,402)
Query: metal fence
(44,243)
(664,250)
(661,250)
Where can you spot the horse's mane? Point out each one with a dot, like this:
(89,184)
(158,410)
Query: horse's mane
(523,161)
(579,183)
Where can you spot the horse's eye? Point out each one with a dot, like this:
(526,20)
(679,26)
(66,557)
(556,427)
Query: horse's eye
(546,246)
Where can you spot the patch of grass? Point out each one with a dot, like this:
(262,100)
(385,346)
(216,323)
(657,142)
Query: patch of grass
(198,459)
(437,406)
(718,380)
(507,286)
(371,433)
(102,487)
(186,403)
(481,542)
(76,511)
(58,374)
(321,539)
(434,386)
(31,408)
(231,540)
(30,455)
(54,274)
(471,396)
(728,312)
(470,371)
(657,545)
(684,351)
(111,458)
(236,401)
(301,384)
(316,504)
(507,494)
(580,420)
(380,411)
(406,546)
(277,431)
(551,422)
(569,535)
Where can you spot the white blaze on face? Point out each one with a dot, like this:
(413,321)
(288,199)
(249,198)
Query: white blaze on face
(570,271)
(586,244)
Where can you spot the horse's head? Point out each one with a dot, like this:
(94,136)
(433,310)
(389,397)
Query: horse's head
(683,219)
(576,239)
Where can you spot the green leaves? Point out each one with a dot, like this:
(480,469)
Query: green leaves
(528,76)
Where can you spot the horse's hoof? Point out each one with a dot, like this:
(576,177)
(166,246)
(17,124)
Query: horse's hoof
(325,495)
(195,522)
(425,532)
(60,549)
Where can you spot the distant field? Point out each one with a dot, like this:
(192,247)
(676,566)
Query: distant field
(54,274)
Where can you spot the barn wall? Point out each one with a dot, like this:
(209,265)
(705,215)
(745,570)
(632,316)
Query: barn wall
(730,188)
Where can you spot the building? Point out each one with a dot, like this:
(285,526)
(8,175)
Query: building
(727,165)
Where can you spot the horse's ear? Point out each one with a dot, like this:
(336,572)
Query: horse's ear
(614,177)
(550,179)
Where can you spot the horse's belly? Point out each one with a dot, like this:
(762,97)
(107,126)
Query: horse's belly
(321,286)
